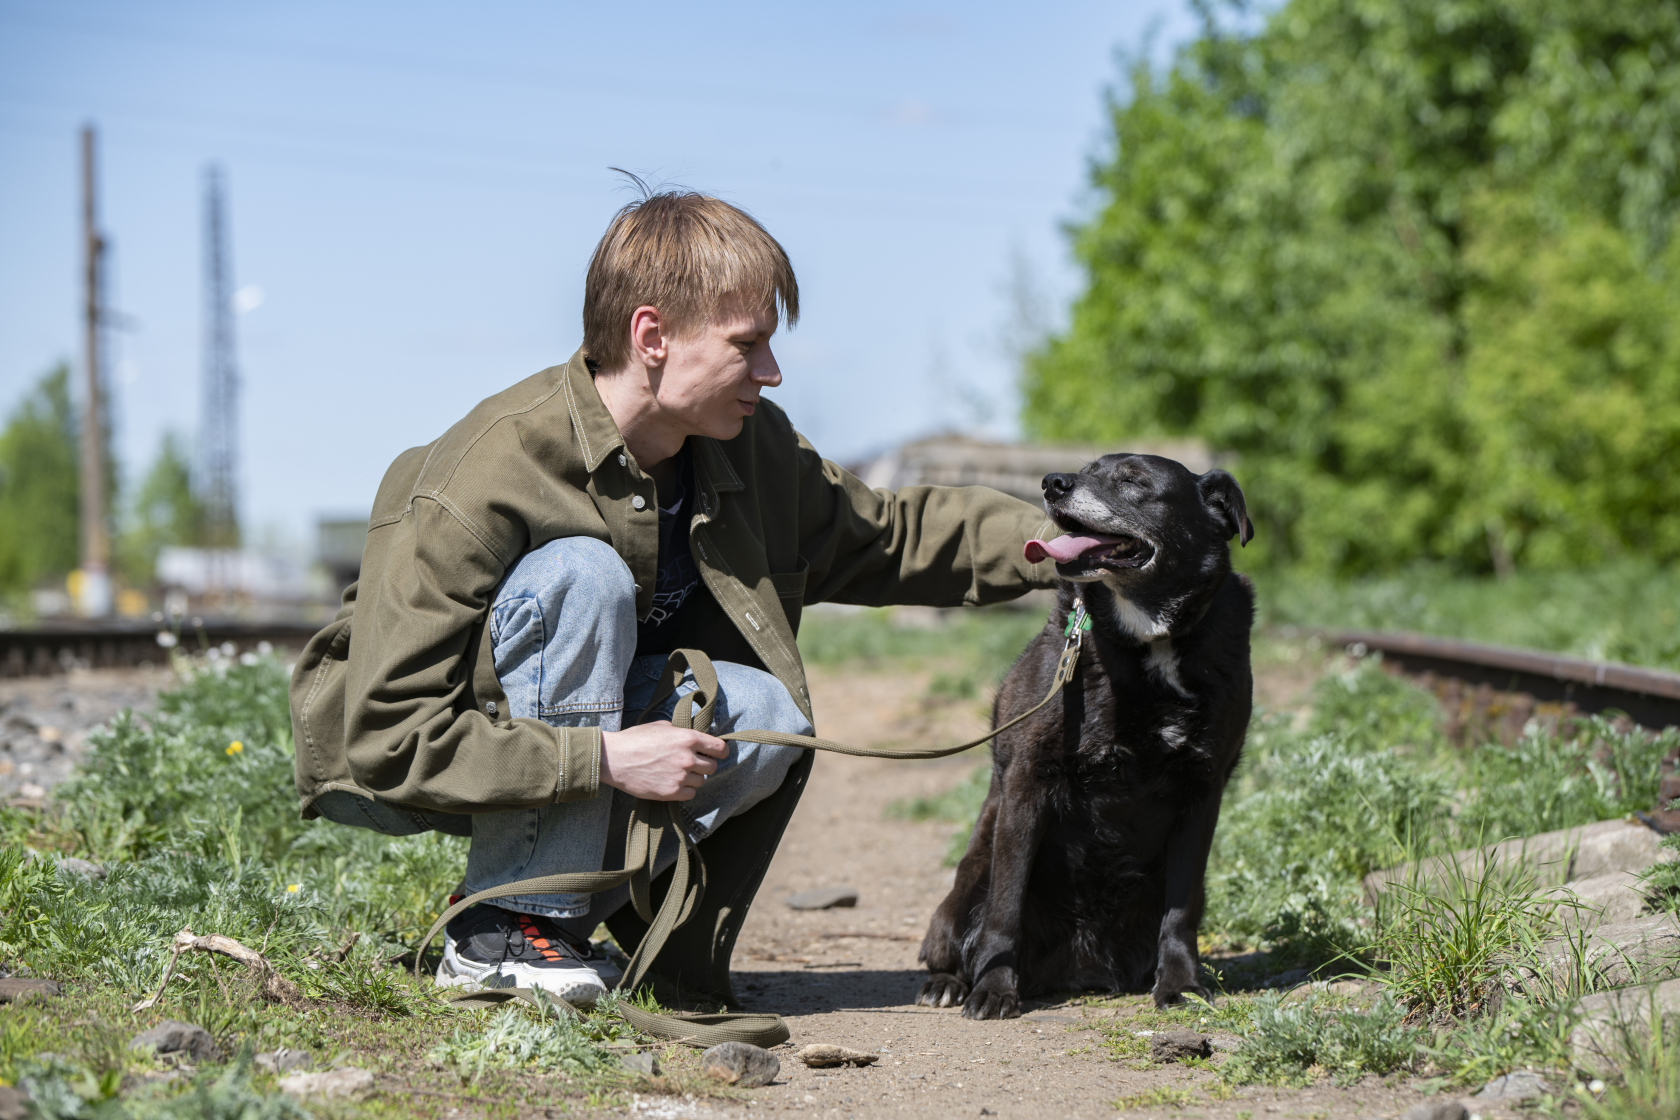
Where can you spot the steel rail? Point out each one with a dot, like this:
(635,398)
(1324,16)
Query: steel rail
(1650,697)
(46,650)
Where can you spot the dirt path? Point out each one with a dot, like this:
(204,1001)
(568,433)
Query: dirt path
(849,976)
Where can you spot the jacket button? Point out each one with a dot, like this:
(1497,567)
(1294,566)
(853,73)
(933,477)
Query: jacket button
(622,461)
(639,502)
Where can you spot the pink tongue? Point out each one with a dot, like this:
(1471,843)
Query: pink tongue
(1064,549)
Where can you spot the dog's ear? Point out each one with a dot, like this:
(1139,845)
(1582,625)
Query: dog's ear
(1224,498)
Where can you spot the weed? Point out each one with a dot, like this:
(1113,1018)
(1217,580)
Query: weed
(1449,935)
(1521,1033)
(1649,1084)
(1162,1096)
(1288,1040)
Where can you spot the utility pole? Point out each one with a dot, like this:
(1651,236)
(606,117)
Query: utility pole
(219,438)
(93,588)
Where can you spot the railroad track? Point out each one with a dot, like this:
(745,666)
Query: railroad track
(1650,697)
(44,651)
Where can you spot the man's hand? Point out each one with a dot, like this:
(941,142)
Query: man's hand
(658,761)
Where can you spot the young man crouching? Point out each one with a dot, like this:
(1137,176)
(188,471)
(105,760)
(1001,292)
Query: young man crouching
(526,574)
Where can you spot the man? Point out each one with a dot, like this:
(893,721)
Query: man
(526,574)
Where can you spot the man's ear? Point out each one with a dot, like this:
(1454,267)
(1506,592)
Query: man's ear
(1224,499)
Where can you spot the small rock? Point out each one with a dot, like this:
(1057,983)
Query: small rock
(171,1037)
(740,1063)
(16,989)
(342,1084)
(1172,1046)
(283,1060)
(70,865)
(1287,979)
(14,1103)
(643,1063)
(823,898)
(821,1055)
(1437,1110)
(1518,1085)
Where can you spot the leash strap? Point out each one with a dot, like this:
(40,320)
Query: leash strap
(688,880)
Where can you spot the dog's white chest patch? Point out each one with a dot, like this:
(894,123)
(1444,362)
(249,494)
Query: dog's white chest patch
(1163,662)
(1138,622)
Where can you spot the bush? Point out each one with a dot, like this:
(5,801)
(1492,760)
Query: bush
(1286,1040)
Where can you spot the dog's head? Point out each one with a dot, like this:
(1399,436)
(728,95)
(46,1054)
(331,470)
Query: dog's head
(1150,530)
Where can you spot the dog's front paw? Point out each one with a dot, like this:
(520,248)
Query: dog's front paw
(941,990)
(1166,995)
(994,997)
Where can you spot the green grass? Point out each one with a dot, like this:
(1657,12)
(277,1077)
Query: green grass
(196,832)
(1628,611)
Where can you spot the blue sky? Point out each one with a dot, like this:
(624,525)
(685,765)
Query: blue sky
(415,188)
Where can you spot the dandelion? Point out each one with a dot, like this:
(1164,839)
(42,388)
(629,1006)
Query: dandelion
(234,748)
(294,888)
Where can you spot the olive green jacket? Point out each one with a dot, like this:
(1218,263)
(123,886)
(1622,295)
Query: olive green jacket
(410,710)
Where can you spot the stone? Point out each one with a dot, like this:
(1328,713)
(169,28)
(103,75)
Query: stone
(1564,856)
(174,1037)
(284,1060)
(1513,1088)
(14,1103)
(822,1055)
(740,1063)
(348,1084)
(1287,979)
(823,898)
(1173,1046)
(1608,1022)
(17,989)
(1642,951)
(1437,1110)
(1612,898)
(644,1063)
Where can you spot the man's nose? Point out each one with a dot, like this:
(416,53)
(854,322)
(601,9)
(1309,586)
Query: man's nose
(1057,485)
(765,371)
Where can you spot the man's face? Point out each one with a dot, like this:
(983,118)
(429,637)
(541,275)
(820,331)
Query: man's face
(713,375)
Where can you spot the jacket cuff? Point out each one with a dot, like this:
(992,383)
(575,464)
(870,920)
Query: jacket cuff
(580,763)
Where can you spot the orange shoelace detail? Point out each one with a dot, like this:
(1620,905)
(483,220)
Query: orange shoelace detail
(537,940)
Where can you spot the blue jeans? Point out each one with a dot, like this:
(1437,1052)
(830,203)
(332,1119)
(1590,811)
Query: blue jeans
(563,634)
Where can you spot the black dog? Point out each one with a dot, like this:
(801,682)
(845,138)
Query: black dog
(1085,867)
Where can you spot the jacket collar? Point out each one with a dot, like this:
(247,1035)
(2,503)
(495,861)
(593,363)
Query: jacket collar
(598,436)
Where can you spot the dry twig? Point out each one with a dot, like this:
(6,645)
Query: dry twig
(275,986)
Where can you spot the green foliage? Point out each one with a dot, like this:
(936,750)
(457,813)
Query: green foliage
(165,511)
(550,1038)
(38,486)
(1411,263)
(1520,1033)
(1627,611)
(1285,1038)
(1588,771)
(990,639)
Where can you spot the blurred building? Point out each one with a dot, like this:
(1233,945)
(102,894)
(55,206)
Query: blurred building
(234,581)
(1017,469)
(338,549)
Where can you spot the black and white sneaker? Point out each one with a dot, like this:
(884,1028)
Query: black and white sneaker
(488,947)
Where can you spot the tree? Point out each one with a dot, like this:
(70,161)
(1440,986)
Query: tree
(39,486)
(1410,262)
(165,512)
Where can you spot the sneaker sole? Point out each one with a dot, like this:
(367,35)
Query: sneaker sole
(580,986)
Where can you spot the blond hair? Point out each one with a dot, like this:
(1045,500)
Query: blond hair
(690,256)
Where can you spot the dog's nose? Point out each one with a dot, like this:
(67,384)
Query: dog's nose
(1057,485)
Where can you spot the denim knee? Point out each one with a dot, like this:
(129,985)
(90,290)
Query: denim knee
(563,631)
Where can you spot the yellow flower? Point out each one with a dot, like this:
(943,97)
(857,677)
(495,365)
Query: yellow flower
(294,888)
(234,748)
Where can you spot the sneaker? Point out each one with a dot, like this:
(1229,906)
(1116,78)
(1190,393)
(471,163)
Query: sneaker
(488,947)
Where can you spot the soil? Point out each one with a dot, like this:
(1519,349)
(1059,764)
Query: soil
(849,976)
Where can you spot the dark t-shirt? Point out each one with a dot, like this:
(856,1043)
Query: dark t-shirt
(677,577)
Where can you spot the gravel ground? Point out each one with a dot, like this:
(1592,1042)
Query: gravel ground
(44,720)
